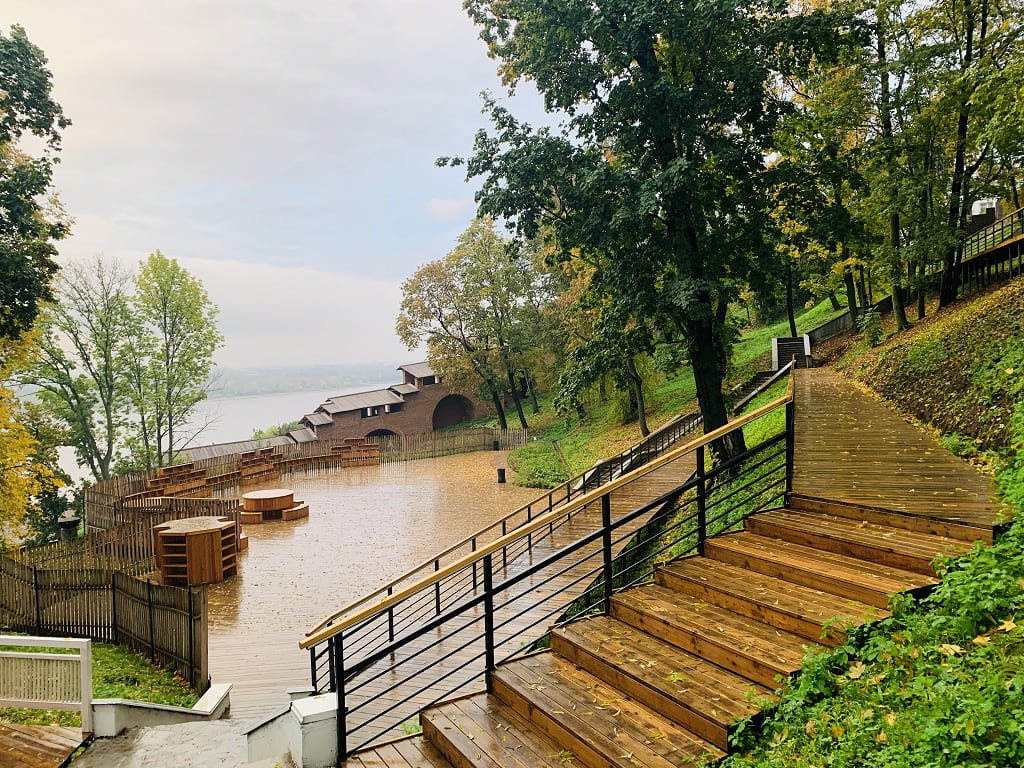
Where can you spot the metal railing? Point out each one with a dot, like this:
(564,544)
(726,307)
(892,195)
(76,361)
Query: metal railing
(997,232)
(439,637)
(652,446)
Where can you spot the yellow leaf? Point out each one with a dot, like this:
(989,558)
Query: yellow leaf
(980,640)
(1007,626)
(837,731)
(856,670)
(950,649)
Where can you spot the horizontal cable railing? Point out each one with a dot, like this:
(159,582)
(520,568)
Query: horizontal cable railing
(436,639)
(638,455)
(1008,227)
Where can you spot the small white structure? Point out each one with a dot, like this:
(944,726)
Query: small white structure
(39,680)
(306,729)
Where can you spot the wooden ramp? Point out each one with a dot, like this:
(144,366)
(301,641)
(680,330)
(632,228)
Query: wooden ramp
(850,447)
(37,746)
(664,677)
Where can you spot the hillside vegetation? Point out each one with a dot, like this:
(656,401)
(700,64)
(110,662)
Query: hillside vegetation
(941,682)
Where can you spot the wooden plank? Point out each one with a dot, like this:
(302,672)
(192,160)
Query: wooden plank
(34,746)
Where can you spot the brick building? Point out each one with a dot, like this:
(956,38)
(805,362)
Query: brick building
(421,403)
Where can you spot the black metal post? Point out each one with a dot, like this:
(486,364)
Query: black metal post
(391,619)
(606,542)
(790,444)
(338,653)
(437,589)
(504,550)
(488,620)
(312,670)
(702,521)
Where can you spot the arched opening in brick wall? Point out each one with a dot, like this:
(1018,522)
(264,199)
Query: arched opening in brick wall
(382,433)
(452,409)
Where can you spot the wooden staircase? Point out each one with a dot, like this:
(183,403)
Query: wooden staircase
(663,678)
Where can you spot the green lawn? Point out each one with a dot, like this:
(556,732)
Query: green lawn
(117,673)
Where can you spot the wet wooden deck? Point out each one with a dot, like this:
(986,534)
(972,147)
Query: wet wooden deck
(37,746)
(851,447)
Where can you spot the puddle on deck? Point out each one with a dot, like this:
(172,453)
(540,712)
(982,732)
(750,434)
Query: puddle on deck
(366,526)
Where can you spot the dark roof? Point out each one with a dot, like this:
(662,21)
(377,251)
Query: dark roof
(317,419)
(305,435)
(417,370)
(360,400)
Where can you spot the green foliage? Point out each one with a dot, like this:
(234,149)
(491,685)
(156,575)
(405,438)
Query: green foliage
(275,430)
(117,673)
(538,465)
(30,223)
(870,324)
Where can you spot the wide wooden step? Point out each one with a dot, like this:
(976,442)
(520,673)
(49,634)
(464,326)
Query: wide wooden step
(480,731)
(801,610)
(750,648)
(884,544)
(849,577)
(413,750)
(698,695)
(590,720)
(909,521)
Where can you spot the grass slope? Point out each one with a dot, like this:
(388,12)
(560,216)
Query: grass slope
(117,673)
(603,433)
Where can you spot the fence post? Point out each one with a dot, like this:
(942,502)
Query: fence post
(391,619)
(702,522)
(606,537)
(790,445)
(113,607)
(437,588)
(488,621)
(196,684)
(39,610)
(149,606)
(338,654)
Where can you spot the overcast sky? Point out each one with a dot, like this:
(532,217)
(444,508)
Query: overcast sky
(281,150)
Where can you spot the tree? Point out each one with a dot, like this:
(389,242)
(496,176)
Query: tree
(171,347)
(25,463)
(658,174)
(80,370)
(478,310)
(29,222)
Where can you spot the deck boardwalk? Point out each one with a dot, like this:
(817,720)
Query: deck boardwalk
(371,701)
(876,499)
(850,447)
(37,746)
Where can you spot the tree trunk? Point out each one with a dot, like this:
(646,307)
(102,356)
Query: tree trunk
(921,291)
(708,375)
(498,407)
(862,290)
(833,301)
(789,302)
(851,294)
(636,385)
(533,392)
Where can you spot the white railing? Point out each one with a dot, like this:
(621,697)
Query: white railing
(35,680)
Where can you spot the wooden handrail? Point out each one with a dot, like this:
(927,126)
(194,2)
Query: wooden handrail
(565,487)
(325,630)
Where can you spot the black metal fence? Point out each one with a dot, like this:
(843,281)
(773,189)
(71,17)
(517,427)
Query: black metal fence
(438,638)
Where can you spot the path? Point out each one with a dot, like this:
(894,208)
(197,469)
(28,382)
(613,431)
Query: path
(851,447)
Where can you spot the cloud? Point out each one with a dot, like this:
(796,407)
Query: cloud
(451,210)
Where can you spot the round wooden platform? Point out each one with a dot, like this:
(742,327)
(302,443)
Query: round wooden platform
(270,500)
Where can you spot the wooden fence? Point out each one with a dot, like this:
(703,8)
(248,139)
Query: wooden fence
(433,444)
(128,544)
(165,623)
